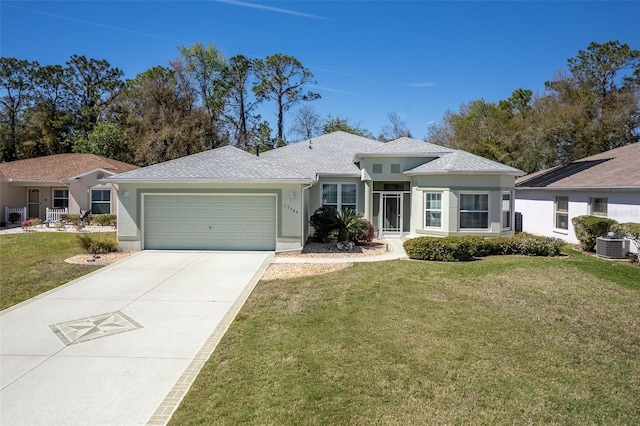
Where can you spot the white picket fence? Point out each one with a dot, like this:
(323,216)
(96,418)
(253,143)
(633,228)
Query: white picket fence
(55,215)
(22,211)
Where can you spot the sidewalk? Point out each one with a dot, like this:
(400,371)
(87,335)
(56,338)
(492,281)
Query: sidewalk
(396,251)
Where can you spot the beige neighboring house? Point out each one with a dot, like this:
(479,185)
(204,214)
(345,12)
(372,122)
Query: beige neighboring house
(45,187)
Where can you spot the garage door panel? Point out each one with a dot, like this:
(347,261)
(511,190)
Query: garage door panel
(210,222)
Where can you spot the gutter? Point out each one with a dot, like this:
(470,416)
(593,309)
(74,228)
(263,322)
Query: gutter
(207,181)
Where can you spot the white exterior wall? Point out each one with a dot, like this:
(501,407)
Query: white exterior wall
(289,211)
(538,210)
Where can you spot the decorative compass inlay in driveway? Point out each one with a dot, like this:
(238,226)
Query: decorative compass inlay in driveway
(95,327)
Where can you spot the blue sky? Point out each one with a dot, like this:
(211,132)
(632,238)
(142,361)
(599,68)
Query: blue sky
(415,58)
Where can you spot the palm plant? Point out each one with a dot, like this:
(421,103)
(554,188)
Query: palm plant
(349,224)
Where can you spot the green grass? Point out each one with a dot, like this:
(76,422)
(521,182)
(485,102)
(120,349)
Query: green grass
(504,340)
(32,263)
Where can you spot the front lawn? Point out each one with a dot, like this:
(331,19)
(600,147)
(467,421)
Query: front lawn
(503,340)
(32,263)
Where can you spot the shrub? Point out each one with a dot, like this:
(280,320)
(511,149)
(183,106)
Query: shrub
(589,228)
(630,230)
(93,246)
(103,219)
(465,248)
(14,217)
(324,223)
(446,249)
(366,234)
(71,218)
(349,224)
(35,221)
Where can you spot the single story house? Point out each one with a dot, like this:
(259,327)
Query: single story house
(229,199)
(44,186)
(605,184)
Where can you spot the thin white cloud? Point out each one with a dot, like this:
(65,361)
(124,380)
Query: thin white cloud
(96,24)
(341,73)
(425,84)
(327,89)
(271,9)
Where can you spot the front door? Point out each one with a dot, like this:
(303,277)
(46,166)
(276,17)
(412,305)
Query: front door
(33,202)
(391,212)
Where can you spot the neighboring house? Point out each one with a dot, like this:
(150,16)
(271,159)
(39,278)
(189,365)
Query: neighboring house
(229,199)
(45,186)
(606,184)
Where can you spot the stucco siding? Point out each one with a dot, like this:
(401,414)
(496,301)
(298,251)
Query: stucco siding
(538,210)
(451,187)
(289,208)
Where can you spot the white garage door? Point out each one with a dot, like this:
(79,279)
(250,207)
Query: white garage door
(210,222)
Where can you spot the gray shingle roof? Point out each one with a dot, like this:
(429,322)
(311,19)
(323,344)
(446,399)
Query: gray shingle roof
(617,168)
(221,164)
(404,147)
(330,154)
(463,162)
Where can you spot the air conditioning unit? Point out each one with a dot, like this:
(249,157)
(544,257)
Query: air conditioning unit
(612,248)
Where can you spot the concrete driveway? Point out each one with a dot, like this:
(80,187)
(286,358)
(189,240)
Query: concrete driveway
(122,345)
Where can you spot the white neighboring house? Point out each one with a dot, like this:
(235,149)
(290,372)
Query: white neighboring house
(605,184)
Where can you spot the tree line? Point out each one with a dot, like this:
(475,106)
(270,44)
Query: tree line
(199,101)
(593,108)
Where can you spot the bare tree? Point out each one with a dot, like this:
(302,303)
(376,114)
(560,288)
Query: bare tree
(307,123)
(396,129)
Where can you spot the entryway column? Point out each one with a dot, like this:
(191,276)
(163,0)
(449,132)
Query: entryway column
(368,199)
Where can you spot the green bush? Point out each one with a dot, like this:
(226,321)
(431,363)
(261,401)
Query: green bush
(95,246)
(630,230)
(589,228)
(324,222)
(465,248)
(103,219)
(71,218)
(448,249)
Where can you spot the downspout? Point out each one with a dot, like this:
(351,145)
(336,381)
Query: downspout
(304,228)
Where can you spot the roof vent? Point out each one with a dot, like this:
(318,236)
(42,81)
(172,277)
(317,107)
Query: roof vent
(310,147)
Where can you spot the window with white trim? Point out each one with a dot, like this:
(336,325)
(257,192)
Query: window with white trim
(506,211)
(60,198)
(433,210)
(474,211)
(339,195)
(562,213)
(598,206)
(100,201)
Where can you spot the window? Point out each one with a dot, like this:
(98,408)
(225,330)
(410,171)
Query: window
(506,210)
(562,213)
(598,206)
(395,168)
(432,210)
(60,198)
(100,201)
(377,168)
(474,211)
(339,195)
